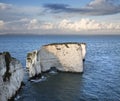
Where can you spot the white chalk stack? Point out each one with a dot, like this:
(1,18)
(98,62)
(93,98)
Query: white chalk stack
(65,57)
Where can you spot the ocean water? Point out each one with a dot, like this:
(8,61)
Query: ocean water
(99,82)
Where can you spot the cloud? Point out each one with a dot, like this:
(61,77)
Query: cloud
(65,26)
(25,24)
(34,24)
(87,25)
(27,19)
(9,12)
(56,8)
(2,24)
(4,6)
(95,7)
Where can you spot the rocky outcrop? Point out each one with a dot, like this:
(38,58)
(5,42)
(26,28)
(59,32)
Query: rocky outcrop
(65,57)
(33,64)
(11,76)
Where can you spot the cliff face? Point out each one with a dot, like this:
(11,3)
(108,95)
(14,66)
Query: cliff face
(83,46)
(11,76)
(33,64)
(66,57)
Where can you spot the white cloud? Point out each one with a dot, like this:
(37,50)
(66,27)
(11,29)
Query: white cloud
(47,26)
(99,4)
(103,7)
(4,6)
(87,25)
(29,19)
(2,24)
(35,24)
(65,26)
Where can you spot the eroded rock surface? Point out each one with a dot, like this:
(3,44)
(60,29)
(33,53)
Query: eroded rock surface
(65,57)
(11,76)
(33,64)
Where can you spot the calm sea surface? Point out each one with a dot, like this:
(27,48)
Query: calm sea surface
(99,82)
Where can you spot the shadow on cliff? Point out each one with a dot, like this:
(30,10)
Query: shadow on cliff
(53,62)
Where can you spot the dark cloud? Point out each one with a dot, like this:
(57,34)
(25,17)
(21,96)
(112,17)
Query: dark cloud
(95,7)
(56,7)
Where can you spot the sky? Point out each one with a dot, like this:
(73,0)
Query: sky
(62,17)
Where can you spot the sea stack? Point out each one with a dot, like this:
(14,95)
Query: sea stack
(33,64)
(11,76)
(65,57)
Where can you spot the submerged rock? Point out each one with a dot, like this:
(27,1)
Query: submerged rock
(11,76)
(65,57)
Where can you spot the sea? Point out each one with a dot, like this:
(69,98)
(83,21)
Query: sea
(100,80)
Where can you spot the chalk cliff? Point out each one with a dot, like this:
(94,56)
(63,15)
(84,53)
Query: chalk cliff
(33,64)
(66,57)
(11,76)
